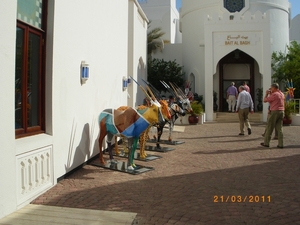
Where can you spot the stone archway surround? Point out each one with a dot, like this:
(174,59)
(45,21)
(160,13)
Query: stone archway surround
(223,36)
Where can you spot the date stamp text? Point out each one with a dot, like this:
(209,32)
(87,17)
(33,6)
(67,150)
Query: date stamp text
(240,198)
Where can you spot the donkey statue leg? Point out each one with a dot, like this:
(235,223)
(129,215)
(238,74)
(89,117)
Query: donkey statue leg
(160,129)
(130,142)
(102,135)
(143,139)
(109,138)
(131,164)
(117,146)
(159,133)
(154,136)
(142,145)
(125,143)
(171,127)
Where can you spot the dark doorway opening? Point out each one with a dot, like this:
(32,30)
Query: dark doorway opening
(236,67)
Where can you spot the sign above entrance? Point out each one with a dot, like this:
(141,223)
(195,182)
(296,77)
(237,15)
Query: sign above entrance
(237,39)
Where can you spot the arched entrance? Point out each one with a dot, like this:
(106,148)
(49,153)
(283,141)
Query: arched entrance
(237,66)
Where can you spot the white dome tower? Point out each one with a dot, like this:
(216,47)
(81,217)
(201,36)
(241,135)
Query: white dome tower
(231,40)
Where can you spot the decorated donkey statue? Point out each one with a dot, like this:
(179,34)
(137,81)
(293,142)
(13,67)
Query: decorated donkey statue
(130,124)
(175,110)
(290,90)
(183,104)
(144,135)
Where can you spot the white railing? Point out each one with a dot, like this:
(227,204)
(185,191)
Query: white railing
(297,105)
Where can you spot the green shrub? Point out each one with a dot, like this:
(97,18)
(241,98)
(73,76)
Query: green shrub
(168,71)
(197,108)
(289,107)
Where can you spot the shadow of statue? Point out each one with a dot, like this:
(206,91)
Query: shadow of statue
(83,150)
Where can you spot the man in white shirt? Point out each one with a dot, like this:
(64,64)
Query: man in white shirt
(244,103)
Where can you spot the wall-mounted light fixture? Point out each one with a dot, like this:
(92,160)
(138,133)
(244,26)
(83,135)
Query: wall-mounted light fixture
(85,75)
(129,82)
(125,83)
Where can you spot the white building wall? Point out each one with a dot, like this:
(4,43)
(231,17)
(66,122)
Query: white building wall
(164,14)
(170,52)
(104,46)
(7,98)
(193,42)
(295,29)
(99,35)
(137,56)
(203,22)
(279,24)
(258,83)
(176,36)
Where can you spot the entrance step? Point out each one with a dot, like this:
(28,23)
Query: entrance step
(50,215)
(233,117)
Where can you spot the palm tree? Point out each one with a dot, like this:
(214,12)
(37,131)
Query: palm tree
(154,41)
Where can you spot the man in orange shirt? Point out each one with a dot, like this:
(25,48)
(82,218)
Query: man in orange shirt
(247,88)
(276,99)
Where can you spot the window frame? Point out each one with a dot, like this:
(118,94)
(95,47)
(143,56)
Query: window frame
(28,29)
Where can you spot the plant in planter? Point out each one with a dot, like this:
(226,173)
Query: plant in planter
(259,94)
(289,107)
(197,111)
(215,98)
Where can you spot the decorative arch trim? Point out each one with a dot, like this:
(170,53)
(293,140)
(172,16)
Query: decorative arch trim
(217,61)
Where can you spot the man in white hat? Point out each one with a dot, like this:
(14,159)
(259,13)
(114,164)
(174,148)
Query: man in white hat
(232,95)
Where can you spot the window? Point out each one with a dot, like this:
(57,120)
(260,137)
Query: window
(234,5)
(29,71)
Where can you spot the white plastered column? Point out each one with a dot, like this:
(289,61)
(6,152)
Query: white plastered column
(266,71)
(209,76)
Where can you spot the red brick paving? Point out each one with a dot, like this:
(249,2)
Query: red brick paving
(214,161)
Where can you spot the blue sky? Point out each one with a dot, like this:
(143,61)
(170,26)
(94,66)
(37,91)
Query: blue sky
(295,6)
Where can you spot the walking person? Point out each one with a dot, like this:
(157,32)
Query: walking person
(276,132)
(276,99)
(232,95)
(244,104)
(247,88)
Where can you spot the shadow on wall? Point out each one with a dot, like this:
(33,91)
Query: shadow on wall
(141,74)
(84,150)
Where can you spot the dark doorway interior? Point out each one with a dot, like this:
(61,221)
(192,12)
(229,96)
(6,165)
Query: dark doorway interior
(235,67)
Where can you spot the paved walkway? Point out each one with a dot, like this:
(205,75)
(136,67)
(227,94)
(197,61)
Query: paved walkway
(216,177)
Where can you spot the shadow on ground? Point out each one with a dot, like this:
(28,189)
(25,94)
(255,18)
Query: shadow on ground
(198,198)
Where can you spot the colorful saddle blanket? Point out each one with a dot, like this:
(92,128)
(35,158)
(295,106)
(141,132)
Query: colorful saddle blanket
(128,123)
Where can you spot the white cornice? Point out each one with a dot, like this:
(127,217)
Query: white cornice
(140,10)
